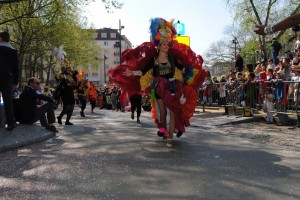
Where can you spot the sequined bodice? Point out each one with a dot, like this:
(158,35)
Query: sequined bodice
(164,69)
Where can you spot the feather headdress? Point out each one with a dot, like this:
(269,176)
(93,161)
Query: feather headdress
(161,30)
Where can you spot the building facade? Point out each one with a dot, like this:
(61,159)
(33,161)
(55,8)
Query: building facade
(112,44)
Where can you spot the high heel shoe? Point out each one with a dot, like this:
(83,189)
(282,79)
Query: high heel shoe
(169,142)
(161,132)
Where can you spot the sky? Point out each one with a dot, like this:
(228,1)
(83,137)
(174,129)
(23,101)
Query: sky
(204,21)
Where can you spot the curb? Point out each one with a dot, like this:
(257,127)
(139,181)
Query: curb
(22,143)
(248,120)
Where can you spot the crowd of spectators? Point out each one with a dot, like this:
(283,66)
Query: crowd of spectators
(247,86)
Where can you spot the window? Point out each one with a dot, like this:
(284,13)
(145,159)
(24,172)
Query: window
(106,51)
(95,35)
(103,35)
(117,60)
(113,35)
(105,43)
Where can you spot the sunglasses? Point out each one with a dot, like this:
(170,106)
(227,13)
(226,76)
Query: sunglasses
(37,83)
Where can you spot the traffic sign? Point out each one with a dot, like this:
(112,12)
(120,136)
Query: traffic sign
(183,40)
(179,27)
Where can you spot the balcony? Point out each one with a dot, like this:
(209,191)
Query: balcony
(117,45)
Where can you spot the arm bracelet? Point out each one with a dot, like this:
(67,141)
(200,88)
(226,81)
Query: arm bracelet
(269,30)
(137,73)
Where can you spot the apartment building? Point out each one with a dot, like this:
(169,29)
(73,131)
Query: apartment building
(111,43)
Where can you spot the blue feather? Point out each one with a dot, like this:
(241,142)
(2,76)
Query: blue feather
(154,25)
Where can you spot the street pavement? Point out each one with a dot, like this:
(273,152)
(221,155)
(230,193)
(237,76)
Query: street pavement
(25,135)
(107,155)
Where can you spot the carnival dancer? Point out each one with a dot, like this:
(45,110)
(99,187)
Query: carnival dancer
(92,95)
(81,95)
(136,105)
(157,67)
(67,80)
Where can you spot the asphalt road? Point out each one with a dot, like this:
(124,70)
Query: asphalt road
(107,155)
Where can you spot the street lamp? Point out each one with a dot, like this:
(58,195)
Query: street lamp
(120,37)
(234,41)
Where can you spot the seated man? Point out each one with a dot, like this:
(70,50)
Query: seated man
(31,111)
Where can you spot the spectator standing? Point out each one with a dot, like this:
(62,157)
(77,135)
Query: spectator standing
(114,96)
(294,87)
(250,88)
(279,91)
(9,77)
(231,80)
(248,70)
(276,47)
(263,54)
(289,55)
(215,87)
(296,59)
(31,112)
(262,87)
(207,87)
(239,63)
(222,91)
(257,70)
(297,43)
(270,64)
(119,106)
(239,88)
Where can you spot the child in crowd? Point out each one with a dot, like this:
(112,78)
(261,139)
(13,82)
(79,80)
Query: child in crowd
(222,91)
(207,90)
(279,91)
(270,105)
(271,64)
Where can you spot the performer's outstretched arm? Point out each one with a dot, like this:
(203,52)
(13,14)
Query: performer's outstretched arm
(129,72)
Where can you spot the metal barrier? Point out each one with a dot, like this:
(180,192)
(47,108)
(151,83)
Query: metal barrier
(252,95)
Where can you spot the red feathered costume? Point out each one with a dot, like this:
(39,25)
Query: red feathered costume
(175,83)
(136,59)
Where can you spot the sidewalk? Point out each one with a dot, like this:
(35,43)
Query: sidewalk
(22,135)
(25,135)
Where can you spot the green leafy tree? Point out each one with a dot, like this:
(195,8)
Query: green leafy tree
(263,12)
(47,24)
